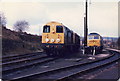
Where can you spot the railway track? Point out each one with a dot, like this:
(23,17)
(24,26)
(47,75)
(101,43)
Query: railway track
(90,67)
(16,62)
(22,66)
(25,60)
(70,71)
(17,57)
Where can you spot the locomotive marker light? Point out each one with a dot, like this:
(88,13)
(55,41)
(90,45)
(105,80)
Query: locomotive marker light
(58,40)
(52,40)
(47,40)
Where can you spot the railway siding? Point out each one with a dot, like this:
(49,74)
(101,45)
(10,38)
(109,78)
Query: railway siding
(26,65)
(44,70)
(113,49)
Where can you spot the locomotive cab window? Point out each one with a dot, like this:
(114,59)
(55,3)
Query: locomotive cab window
(46,29)
(96,37)
(90,37)
(59,29)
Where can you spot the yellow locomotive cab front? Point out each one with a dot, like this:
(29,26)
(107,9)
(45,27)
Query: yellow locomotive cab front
(53,33)
(93,41)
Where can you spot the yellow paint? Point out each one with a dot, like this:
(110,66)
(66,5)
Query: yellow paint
(93,42)
(53,34)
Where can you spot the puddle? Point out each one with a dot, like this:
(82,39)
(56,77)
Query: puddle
(102,55)
(75,59)
(44,66)
(91,58)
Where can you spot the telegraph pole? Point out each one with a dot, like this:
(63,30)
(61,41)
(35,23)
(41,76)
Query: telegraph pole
(85,25)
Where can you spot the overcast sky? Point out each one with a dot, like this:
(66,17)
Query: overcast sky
(103,15)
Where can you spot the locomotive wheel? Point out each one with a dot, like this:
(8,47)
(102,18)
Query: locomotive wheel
(56,53)
(71,49)
(48,53)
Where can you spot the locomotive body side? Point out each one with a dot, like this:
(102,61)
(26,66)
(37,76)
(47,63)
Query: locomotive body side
(72,40)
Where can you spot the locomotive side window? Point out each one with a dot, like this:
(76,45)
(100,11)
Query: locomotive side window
(46,29)
(59,29)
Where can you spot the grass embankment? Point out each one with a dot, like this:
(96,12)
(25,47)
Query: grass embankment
(19,42)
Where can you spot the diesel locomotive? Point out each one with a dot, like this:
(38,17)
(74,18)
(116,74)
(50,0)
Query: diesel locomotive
(95,42)
(57,39)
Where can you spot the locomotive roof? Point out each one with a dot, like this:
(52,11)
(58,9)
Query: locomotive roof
(57,23)
(54,22)
(93,34)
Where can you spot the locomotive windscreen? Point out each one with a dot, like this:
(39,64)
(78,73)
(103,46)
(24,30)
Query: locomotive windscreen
(46,29)
(96,37)
(90,37)
(93,37)
(59,29)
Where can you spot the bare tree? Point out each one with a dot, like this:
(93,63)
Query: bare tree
(2,19)
(21,26)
